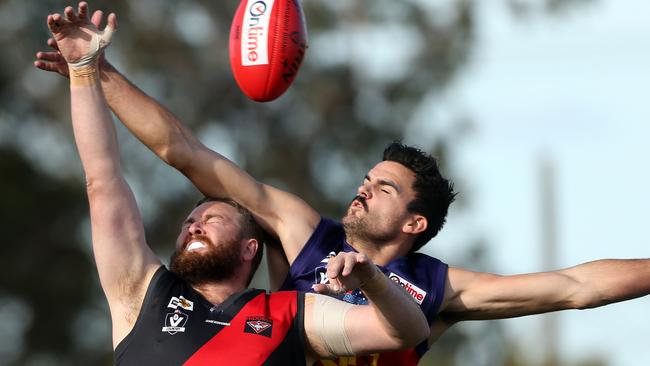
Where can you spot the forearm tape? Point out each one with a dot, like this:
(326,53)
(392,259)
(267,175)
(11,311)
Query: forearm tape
(88,75)
(84,71)
(329,324)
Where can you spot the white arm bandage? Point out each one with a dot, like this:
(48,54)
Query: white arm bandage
(329,323)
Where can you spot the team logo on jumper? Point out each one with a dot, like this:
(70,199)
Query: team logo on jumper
(175,322)
(327,259)
(355,296)
(417,293)
(259,325)
(182,302)
(320,273)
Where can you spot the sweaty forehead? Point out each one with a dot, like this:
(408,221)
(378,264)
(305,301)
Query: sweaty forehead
(396,172)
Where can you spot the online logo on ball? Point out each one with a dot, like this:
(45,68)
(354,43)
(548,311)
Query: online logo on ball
(257,9)
(254,45)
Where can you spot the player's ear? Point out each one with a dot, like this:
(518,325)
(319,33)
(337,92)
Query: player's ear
(249,249)
(415,225)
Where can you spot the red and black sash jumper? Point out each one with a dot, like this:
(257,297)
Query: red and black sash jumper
(177,326)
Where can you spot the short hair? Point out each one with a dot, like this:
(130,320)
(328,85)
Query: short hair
(433,192)
(249,229)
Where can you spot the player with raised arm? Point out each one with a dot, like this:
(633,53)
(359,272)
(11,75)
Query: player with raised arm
(200,312)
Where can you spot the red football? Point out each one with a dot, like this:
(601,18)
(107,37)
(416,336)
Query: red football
(268,41)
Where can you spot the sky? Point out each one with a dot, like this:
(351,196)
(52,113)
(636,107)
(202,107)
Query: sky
(571,90)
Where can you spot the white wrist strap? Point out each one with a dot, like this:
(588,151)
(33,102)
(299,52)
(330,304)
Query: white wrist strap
(99,41)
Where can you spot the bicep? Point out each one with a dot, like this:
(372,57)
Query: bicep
(477,296)
(123,259)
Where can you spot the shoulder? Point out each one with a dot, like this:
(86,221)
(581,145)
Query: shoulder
(327,226)
(423,258)
(327,238)
(418,265)
(423,277)
(291,300)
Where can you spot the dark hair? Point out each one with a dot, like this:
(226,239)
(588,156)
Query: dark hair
(433,192)
(250,229)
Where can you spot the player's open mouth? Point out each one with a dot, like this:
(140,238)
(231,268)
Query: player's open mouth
(195,245)
(357,204)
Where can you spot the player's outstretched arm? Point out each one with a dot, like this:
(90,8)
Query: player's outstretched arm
(471,295)
(285,215)
(124,262)
(391,321)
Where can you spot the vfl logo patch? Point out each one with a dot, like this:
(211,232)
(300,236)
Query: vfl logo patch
(327,259)
(259,325)
(175,322)
(320,273)
(417,293)
(182,302)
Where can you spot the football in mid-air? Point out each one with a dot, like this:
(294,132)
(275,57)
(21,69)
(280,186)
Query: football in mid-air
(268,40)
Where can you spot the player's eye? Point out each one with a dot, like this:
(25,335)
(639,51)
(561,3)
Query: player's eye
(212,220)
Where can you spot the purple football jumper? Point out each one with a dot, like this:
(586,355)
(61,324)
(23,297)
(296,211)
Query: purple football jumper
(422,276)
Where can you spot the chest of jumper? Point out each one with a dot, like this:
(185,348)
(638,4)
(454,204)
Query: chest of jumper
(179,327)
(356,296)
(253,319)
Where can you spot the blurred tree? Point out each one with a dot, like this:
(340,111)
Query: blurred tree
(47,271)
(371,68)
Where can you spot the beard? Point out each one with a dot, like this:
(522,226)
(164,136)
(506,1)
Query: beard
(367,228)
(217,264)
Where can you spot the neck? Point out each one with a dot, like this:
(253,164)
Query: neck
(218,292)
(383,253)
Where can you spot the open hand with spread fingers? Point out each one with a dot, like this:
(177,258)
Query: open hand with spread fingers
(53,60)
(78,40)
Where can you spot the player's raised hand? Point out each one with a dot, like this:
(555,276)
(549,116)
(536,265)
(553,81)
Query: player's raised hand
(53,60)
(78,40)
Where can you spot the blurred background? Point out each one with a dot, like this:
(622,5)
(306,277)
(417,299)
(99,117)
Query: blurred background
(538,110)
